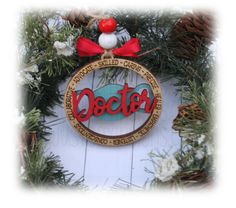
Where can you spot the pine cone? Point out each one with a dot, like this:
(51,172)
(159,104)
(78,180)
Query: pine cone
(195,177)
(190,33)
(79,18)
(188,114)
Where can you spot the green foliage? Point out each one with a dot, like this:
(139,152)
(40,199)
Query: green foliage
(152,28)
(43,98)
(193,80)
(41,169)
(40,31)
(32,121)
(34,124)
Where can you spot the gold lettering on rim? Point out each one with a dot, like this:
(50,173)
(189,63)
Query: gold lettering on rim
(120,139)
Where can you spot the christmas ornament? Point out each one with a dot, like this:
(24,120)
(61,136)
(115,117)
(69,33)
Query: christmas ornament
(190,34)
(123,103)
(112,102)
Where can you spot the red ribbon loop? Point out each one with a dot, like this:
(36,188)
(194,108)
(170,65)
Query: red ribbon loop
(86,47)
(130,48)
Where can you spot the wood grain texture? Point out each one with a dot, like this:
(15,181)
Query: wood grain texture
(113,139)
(102,166)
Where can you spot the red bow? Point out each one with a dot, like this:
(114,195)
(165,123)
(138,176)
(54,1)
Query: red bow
(86,47)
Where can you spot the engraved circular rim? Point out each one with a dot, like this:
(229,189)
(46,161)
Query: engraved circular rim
(117,140)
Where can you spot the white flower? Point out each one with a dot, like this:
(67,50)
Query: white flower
(28,78)
(33,68)
(59,45)
(165,168)
(201,139)
(29,75)
(65,48)
(24,78)
(199,154)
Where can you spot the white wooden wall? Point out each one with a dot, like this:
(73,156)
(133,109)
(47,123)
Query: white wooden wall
(101,166)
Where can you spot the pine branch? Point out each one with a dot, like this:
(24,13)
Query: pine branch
(46,170)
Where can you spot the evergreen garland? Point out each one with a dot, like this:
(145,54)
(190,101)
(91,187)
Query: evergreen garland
(43,68)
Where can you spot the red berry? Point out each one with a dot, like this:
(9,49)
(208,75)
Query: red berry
(107,25)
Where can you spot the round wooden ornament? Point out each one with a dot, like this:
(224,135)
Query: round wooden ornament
(154,108)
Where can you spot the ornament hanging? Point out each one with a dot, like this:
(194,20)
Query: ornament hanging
(113,102)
